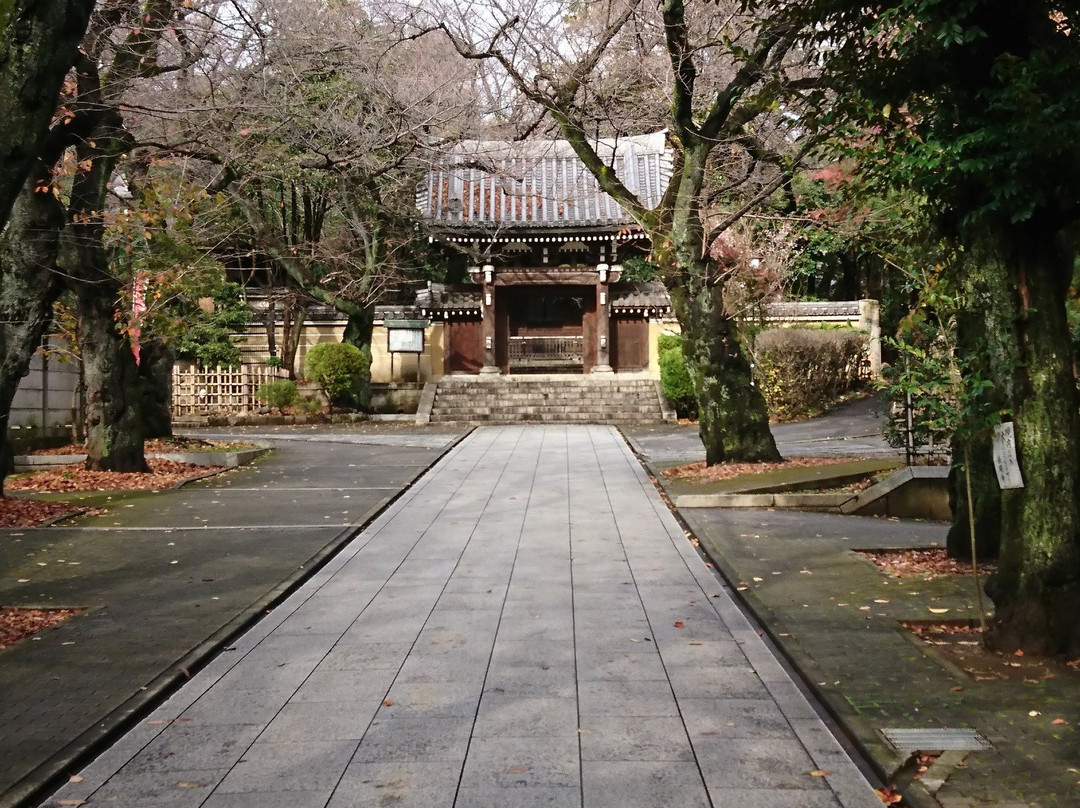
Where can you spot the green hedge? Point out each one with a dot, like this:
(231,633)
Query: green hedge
(678,385)
(278,394)
(343,373)
(801,371)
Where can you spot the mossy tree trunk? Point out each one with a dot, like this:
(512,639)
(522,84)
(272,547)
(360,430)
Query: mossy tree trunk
(29,284)
(1036,589)
(732,418)
(359,327)
(732,415)
(38,43)
(155,372)
(114,419)
(114,424)
(985,339)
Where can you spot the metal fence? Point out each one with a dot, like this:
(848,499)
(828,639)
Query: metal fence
(561,351)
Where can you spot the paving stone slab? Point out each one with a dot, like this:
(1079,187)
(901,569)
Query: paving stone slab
(528,625)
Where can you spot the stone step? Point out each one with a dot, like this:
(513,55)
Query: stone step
(550,399)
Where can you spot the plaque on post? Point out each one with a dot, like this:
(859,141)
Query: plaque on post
(405,337)
(1005,462)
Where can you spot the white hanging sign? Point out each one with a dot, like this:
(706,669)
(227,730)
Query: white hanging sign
(1005,463)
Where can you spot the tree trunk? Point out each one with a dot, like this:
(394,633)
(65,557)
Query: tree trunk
(732,416)
(38,43)
(155,372)
(1036,589)
(359,327)
(114,424)
(986,342)
(293,316)
(733,419)
(29,284)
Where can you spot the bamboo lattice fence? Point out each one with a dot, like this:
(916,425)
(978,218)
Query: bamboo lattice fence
(217,390)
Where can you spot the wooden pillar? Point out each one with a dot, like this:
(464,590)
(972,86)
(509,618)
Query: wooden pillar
(603,321)
(487,308)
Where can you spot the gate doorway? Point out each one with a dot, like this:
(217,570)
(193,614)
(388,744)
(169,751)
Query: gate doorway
(545,327)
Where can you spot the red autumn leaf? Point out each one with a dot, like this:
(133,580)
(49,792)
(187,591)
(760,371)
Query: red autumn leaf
(889,795)
(679,624)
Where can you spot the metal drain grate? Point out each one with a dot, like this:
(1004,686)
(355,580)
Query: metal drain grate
(921,740)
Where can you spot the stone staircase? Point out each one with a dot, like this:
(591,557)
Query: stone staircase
(590,399)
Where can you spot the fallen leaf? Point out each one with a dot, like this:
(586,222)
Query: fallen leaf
(75,778)
(1018,653)
(932,610)
(679,624)
(71,802)
(889,795)
(1057,722)
(388,703)
(957,689)
(1034,713)
(190,784)
(519,770)
(819,773)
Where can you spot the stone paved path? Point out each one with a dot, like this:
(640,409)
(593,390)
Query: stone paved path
(528,625)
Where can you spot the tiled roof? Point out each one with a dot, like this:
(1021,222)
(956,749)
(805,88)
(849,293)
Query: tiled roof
(626,297)
(490,184)
(799,310)
(397,312)
(440,297)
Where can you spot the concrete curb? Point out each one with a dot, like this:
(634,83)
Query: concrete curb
(841,503)
(230,460)
(822,502)
(893,483)
(52,773)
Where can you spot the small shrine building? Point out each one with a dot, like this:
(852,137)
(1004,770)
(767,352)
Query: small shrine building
(533,249)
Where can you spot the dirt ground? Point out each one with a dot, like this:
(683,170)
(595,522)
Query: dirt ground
(699,472)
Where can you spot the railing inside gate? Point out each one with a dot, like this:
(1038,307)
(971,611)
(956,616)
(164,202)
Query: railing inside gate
(546,352)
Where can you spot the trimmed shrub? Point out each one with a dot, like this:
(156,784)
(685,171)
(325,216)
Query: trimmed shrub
(802,371)
(278,394)
(342,372)
(675,378)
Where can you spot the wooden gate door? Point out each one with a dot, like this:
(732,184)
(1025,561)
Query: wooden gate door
(465,346)
(629,343)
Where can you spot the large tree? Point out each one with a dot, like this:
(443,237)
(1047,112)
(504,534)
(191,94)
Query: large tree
(719,79)
(38,43)
(127,42)
(976,104)
(319,120)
